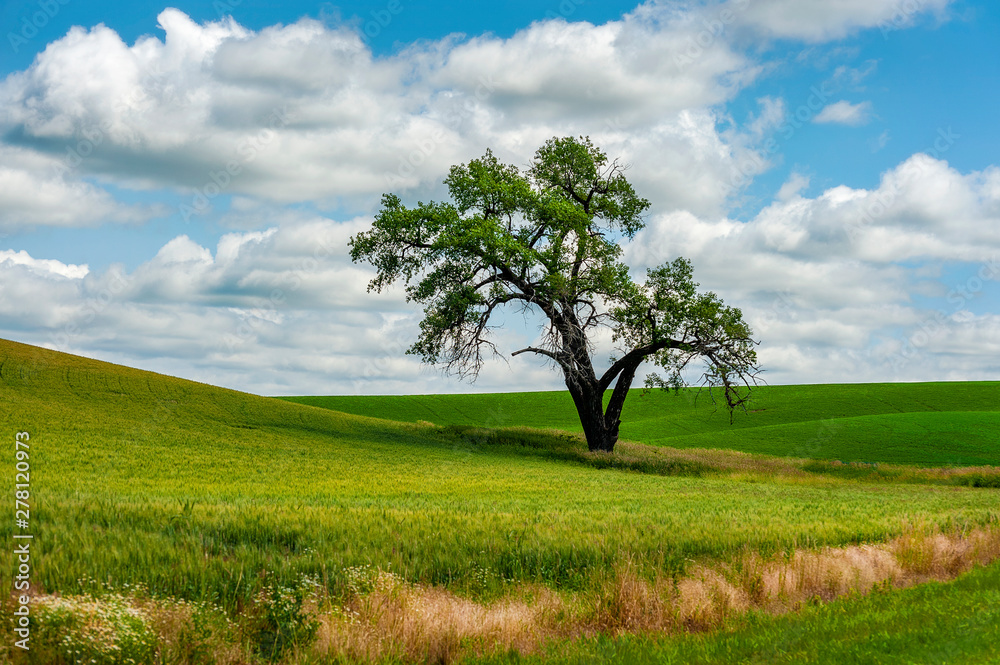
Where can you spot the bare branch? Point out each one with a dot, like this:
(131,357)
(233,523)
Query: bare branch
(638,355)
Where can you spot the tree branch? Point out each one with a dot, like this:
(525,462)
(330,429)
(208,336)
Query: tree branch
(637,355)
(545,352)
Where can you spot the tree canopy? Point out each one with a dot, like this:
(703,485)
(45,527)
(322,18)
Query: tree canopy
(546,239)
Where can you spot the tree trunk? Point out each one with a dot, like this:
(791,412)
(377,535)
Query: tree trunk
(600,426)
(590,406)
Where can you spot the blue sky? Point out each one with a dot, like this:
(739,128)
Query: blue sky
(830,167)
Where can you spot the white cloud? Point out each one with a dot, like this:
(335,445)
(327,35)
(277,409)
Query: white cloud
(772,113)
(635,69)
(42,267)
(922,210)
(306,113)
(835,276)
(792,187)
(38,190)
(852,78)
(36,293)
(845,113)
(824,20)
(828,290)
(881,142)
(278,310)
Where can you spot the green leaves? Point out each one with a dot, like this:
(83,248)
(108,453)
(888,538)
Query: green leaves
(545,238)
(575,170)
(495,190)
(677,324)
(402,240)
(538,236)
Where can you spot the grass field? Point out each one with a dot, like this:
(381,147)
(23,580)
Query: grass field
(941,424)
(193,493)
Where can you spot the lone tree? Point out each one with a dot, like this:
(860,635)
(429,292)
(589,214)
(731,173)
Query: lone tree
(543,239)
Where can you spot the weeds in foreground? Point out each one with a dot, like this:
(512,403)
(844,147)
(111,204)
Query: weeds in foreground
(386,619)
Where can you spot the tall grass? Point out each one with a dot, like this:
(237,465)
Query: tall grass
(953,622)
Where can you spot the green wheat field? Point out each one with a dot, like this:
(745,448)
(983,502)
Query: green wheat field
(238,511)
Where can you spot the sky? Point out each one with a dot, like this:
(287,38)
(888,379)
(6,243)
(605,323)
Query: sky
(178,183)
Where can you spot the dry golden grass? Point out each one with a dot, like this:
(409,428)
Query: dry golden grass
(430,625)
(427,624)
(182,643)
(392,620)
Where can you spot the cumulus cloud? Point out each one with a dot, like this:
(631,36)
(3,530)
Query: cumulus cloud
(42,267)
(279,311)
(923,209)
(836,276)
(844,286)
(37,190)
(792,187)
(845,113)
(304,112)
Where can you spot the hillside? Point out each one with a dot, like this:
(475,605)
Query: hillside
(146,487)
(118,441)
(946,424)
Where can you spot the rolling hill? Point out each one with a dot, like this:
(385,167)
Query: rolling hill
(937,424)
(149,491)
